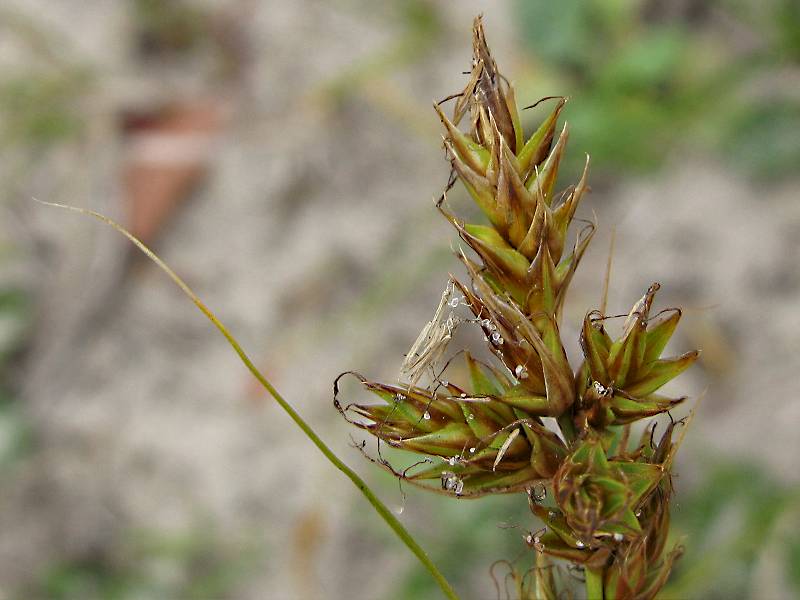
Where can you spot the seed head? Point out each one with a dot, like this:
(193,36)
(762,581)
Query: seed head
(609,508)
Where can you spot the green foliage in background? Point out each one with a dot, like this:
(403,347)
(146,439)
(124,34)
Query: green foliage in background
(40,108)
(650,79)
(196,565)
(469,529)
(742,528)
(15,319)
(42,101)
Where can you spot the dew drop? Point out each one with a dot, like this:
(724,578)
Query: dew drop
(537,492)
(463,395)
(486,323)
(521,372)
(580,544)
(618,537)
(447,480)
(496,337)
(426,416)
(454,302)
(472,450)
(470,416)
(529,539)
(400,397)
(452,483)
(399,510)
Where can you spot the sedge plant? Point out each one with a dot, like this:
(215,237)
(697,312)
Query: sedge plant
(604,498)
(527,422)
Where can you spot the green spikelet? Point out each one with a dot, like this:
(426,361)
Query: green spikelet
(609,506)
(618,380)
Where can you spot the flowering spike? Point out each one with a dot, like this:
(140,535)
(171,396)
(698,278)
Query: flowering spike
(487,435)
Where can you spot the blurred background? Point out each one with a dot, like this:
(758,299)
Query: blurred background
(283,157)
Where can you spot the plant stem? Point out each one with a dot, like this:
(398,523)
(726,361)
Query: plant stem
(594,584)
(376,503)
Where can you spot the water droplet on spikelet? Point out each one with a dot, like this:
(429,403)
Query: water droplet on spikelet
(580,544)
(426,415)
(618,537)
(521,372)
(537,492)
(452,483)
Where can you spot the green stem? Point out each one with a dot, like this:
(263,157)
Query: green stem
(594,584)
(376,503)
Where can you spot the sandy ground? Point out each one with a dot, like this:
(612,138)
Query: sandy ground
(315,240)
